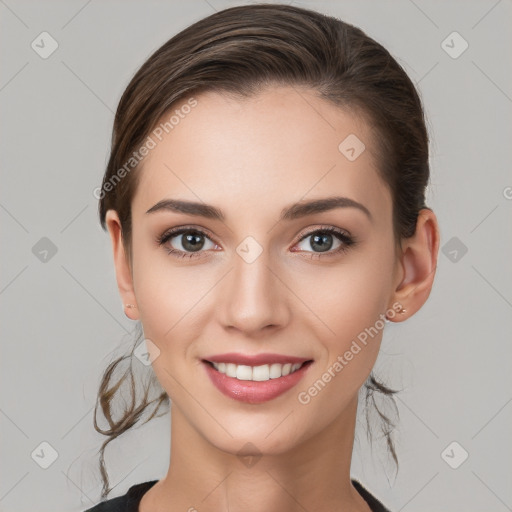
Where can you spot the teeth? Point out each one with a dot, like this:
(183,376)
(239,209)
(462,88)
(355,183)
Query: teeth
(256,373)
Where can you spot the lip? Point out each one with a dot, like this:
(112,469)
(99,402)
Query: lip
(255,392)
(255,360)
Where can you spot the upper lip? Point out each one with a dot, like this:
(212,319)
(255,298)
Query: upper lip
(255,360)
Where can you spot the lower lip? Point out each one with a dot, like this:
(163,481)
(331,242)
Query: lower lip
(254,392)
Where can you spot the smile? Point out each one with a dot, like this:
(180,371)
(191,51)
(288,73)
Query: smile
(255,384)
(257,373)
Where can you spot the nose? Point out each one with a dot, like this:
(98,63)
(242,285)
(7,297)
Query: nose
(253,298)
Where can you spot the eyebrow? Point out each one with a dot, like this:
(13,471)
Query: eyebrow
(294,211)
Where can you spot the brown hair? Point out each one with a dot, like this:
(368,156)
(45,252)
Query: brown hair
(239,51)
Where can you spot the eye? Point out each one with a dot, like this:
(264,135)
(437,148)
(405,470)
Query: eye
(188,242)
(322,240)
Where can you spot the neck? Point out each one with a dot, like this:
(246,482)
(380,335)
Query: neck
(314,475)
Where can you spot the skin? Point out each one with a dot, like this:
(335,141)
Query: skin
(251,158)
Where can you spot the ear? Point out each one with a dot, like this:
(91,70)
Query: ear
(121,264)
(419,262)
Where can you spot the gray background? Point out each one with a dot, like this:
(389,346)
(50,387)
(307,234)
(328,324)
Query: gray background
(62,319)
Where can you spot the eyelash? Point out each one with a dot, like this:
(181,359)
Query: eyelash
(347,241)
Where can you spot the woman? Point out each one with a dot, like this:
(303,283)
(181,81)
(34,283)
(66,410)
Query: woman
(265,199)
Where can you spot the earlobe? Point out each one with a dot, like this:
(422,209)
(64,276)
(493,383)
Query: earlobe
(419,263)
(122,267)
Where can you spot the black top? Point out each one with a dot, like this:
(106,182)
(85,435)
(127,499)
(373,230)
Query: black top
(129,502)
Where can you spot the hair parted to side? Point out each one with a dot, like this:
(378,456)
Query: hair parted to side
(239,51)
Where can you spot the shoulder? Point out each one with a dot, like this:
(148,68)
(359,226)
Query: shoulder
(128,502)
(374,504)
(113,505)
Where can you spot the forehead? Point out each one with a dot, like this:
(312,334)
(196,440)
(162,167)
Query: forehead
(268,150)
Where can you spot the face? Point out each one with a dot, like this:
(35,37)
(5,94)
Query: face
(257,281)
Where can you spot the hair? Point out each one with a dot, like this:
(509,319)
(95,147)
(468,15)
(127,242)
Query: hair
(240,51)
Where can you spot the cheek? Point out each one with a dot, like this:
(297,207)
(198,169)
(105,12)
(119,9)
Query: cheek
(172,299)
(349,302)
(348,332)
(169,305)
(160,291)
(166,303)
(349,296)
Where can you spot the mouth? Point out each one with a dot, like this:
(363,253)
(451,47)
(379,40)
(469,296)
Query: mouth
(255,384)
(261,373)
